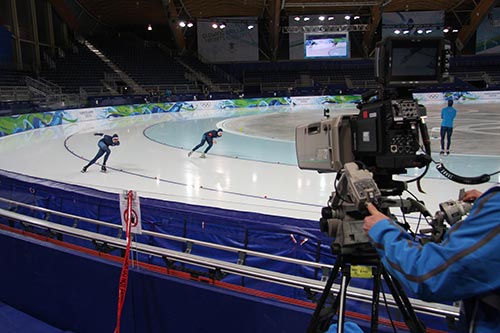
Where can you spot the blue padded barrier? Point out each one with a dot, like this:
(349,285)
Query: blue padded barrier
(253,231)
(79,293)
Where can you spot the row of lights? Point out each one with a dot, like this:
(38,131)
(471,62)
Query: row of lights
(422,31)
(323,18)
(184,24)
(215,25)
(222,25)
(406,32)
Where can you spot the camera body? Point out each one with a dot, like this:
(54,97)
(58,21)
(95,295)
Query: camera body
(384,135)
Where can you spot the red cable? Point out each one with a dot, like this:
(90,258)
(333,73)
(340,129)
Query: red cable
(122,288)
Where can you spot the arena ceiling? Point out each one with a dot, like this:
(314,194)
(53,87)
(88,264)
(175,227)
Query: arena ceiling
(117,13)
(272,14)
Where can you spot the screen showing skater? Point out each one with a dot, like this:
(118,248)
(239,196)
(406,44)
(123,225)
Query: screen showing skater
(326,45)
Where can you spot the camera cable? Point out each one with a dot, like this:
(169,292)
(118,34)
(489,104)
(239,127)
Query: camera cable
(484,178)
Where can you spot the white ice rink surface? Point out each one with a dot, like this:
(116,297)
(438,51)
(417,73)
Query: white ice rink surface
(163,170)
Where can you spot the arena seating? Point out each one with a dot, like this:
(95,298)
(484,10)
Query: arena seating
(159,70)
(77,67)
(145,62)
(13,77)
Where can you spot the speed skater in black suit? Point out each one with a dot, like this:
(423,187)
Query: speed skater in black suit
(103,145)
(209,138)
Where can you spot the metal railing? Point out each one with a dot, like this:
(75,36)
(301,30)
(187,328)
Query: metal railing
(14,93)
(238,268)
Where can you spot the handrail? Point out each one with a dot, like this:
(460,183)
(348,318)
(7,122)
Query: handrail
(45,86)
(177,238)
(222,266)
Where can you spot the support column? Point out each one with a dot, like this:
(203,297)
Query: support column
(50,22)
(372,27)
(172,22)
(274,26)
(17,41)
(36,40)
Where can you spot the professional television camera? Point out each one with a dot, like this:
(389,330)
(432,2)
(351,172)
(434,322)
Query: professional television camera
(366,150)
(384,137)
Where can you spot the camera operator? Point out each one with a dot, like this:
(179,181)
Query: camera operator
(464,266)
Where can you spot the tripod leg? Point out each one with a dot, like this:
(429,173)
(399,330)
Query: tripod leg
(346,277)
(320,319)
(414,324)
(375,298)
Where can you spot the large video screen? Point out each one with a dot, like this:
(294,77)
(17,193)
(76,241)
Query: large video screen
(326,45)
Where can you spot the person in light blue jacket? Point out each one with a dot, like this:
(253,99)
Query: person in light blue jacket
(464,266)
(448,115)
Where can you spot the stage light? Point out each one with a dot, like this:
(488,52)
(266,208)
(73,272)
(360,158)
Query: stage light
(445,30)
(420,31)
(150,27)
(397,31)
(182,24)
(250,26)
(215,25)
(347,17)
(306,19)
(190,24)
(222,25)
(321,18)
(330,18)
(296,18)
(428,31)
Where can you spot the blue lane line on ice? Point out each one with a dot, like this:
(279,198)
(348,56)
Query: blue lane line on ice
(185,184)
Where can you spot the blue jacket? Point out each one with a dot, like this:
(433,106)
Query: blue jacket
(448,114)
(464,266)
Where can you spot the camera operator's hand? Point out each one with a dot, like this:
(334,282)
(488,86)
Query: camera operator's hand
(471,196)
(374,217)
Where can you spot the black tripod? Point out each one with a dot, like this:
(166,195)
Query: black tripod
(323,315)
